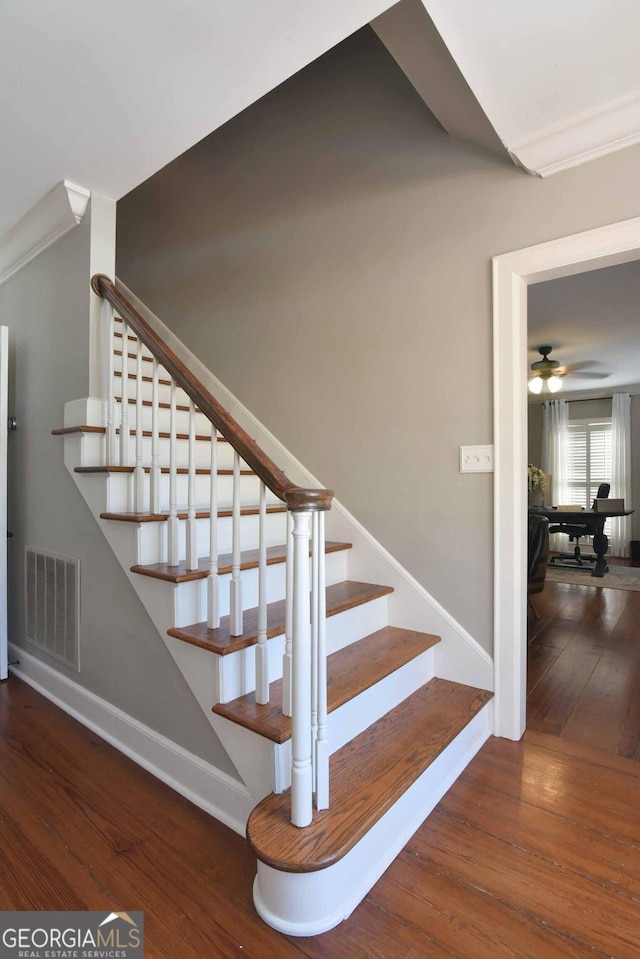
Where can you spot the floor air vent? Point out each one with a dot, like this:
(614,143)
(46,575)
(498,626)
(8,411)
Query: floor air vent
(53,604)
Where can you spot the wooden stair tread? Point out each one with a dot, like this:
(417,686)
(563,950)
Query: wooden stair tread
(163,516)
(180,470)
(249,560)
(340,597)
(367,777)
(134,356)
(145,379)
(349,672)
(200,438)
(64,430)
(132,401)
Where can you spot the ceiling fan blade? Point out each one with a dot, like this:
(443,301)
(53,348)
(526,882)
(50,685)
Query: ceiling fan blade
(581,367)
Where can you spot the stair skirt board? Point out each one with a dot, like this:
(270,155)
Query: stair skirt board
(307,904)
(212,790)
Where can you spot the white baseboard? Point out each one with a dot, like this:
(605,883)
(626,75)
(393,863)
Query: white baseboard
(198,781)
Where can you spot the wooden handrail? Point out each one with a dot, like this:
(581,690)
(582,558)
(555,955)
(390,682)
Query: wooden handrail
(296,498)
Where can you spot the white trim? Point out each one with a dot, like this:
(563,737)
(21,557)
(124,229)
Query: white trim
(54,215)
(4,428)
(595,134)
(512,272)
(198,781)
(459,657)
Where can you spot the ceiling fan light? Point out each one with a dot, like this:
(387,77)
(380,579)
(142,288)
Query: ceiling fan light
(535,385)
(554,383)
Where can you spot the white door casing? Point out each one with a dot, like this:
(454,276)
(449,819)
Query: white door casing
(4,426)
(512,273)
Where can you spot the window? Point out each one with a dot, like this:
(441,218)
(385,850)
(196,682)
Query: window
(589,460)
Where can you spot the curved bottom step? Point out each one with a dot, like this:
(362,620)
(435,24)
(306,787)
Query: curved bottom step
(310,903)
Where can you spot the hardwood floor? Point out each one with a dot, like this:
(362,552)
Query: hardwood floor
(584,667)
(535,852)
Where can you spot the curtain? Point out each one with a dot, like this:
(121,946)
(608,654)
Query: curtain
(621,471)
(555,446)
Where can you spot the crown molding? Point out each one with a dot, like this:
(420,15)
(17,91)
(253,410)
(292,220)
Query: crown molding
(50,218)
(595,134)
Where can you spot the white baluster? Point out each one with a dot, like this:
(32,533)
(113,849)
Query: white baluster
(192,538)
(213,614)
(235,597)
(124,398)
(301,747)
(288,622)
(322,742)
(138,474)
(155,443)
(262,653)
(111,450)
(314,632)
(172,532)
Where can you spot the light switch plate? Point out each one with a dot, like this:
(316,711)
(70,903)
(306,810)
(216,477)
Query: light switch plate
(476,459)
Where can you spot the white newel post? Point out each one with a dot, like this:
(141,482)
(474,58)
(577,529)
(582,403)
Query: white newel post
(322,742)
(288,621)
(235,596)
(138,474)
(262,653)
(155,443)
(192,539)
(301,746)
(124,398)
(213,614)
(172,523)
(107,348)
(314,635)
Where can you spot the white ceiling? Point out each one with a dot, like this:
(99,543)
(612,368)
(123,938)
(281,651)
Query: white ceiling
(592,321)
(104,95)
(558,79)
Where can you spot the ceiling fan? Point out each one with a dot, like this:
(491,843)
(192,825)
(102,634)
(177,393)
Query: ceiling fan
(547,374)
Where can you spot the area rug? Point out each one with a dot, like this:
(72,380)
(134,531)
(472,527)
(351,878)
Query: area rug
(618,577)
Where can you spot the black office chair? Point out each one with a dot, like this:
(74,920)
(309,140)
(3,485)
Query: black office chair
(576,559)
(537,556)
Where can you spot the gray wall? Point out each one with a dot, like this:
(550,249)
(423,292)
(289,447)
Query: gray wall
(123,659)
(327,254)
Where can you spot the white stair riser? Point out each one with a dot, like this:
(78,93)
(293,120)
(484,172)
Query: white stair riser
(182,419)
(152,540)
(202,450)
(352,718)
(191,597)
(120,492)
(164,390)
(237,669)
(92,452)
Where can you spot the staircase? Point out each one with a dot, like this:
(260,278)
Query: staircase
(345,721)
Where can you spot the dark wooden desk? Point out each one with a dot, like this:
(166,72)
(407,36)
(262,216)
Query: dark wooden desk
(594,526)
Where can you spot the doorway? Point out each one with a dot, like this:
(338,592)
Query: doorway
(512,274)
